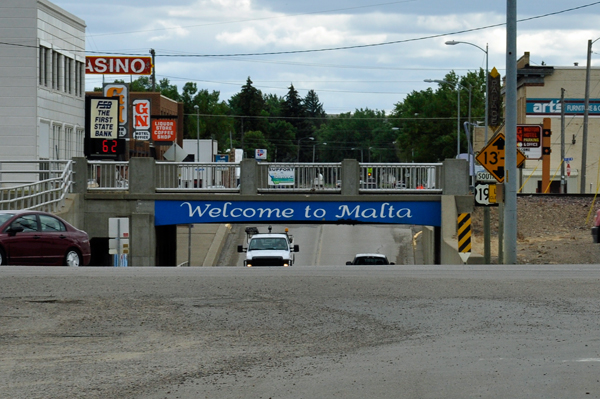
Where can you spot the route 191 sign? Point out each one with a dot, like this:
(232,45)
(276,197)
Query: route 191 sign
(485,194)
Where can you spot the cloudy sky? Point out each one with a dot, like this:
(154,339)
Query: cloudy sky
(371,52)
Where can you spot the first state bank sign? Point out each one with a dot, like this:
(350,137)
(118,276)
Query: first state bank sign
(425,213)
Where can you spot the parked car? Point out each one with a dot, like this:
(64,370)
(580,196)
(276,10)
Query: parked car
(370,259)
(39,238)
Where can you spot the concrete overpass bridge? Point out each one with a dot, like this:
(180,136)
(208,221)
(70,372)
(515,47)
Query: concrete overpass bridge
(158,196)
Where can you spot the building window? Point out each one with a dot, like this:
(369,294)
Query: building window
(42,66)
(54,70)
(60,75)
(65,74)
(69,142)
(81,77)
(57,142)
(79,136)
(77,79)
(68,75)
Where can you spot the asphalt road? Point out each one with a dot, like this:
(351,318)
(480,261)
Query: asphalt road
(526,331)
(329,245)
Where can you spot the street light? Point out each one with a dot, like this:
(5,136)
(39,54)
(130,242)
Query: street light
(471,151)
(486,210)
(314,150)
(197,108)
(458,108)
(361,153)
(487,91)
(303,138)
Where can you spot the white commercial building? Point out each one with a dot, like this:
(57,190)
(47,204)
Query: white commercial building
(42,81)
(540,88)
(539,97)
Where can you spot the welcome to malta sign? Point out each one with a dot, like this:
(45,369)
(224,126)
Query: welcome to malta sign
(392,212)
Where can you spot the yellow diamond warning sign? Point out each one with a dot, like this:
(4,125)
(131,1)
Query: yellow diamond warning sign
(492,157)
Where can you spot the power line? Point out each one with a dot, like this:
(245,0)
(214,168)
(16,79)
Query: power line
(253,19)
(383,119)
(342,47)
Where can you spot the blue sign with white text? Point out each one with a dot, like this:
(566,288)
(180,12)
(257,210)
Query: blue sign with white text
(425,213)
(553,107)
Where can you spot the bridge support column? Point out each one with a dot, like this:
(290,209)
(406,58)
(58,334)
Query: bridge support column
(456,199)
(143,238)
(79,175)
(456,177)
(142,231)
(249,177)
(350,177)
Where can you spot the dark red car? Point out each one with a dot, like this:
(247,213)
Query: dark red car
(40,238)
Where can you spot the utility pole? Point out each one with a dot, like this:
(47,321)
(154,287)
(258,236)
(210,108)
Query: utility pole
(242,122)
(585,118)
(153,70)
(563,182)
(510,153)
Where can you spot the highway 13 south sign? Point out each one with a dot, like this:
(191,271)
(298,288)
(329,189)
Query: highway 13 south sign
(492,157)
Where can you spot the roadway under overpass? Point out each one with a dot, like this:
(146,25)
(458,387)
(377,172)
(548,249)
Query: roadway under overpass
(155,244)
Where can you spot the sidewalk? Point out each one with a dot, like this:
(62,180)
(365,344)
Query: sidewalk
(205,242)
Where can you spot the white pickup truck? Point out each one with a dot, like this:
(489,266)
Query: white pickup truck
(268,249)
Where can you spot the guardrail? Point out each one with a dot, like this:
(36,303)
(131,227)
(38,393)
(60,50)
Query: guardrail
(196,177)
(45,184)
(273,177)
(299,177)
(396,177)
(108,176)
(36,184)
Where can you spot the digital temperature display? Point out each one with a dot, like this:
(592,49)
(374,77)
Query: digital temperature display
(105,148)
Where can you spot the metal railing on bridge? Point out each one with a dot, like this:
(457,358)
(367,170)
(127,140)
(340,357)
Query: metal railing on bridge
(37,184)
(273,177)
(401,177)
(108,176)
(196,176)
(299,177)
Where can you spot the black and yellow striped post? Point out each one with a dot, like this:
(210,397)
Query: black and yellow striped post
(464,236)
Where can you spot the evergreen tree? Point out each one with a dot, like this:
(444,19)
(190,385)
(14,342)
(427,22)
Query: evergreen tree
(293,106)
(248,105)
(314,110)
(294,111)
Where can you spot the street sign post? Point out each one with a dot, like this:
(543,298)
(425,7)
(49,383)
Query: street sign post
(492,157)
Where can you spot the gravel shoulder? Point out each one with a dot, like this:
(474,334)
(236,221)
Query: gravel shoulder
(550,230)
